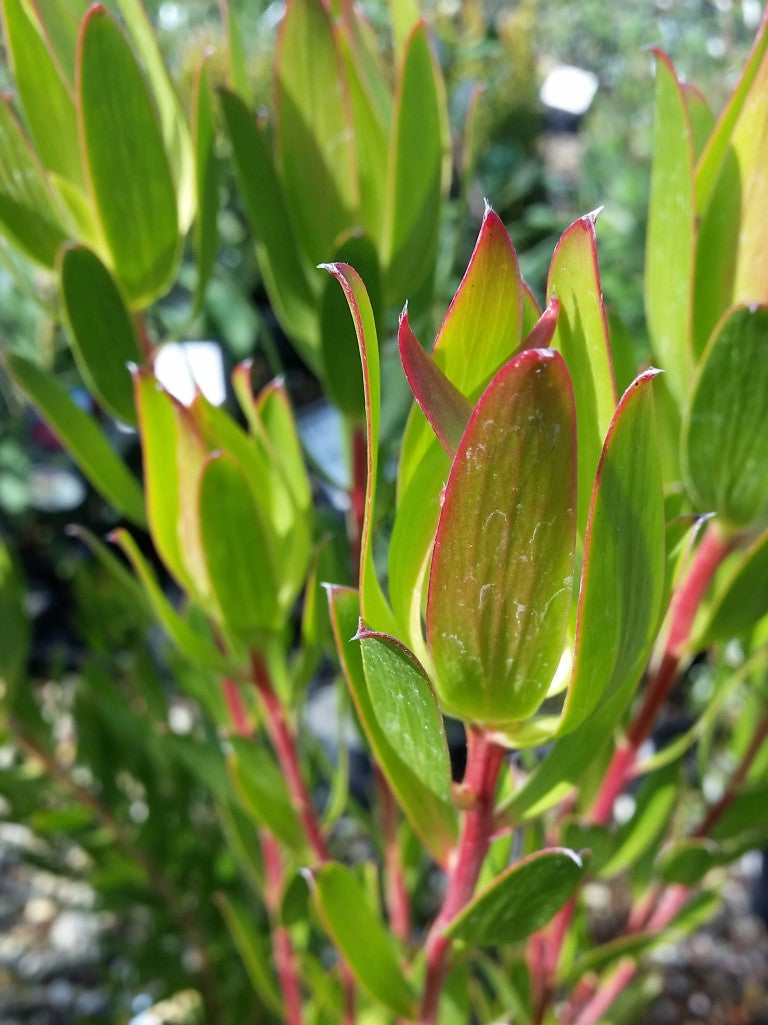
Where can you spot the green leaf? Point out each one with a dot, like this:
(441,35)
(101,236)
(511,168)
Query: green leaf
(200,650)
(283,269)
(732,202)
(82,437)
(655,802)
(277,480)
(61,26)
(176,135)
(28,209)
(263,793)
(725,444)
(582,338)
(101,331)
(46,97)
(433,820)
(500,582)
(114,566)
(520,900)
(714,155)
(253,947)
(634,945)
(622,582)
(687,861)
(361,937)
(444,406)
(742,598)
(405,707)
(700,113)
(370,132)
(314,142)
(274,411)
(236,58)
(374,607)
(410,548)
(238,553)
(417,147)
(671,238)
(566,761)
(746,813)
(543,330)
(14,626)
(206,182)
(481,330)
(341,360)
(173,457)
(127,164)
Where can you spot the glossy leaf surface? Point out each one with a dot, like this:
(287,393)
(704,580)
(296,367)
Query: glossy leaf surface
(417,147)
(82,437)
(432,819)
(406,709)
(361,937)
(117,124)
(500,583)
(671,237)
(314,139)
(237,550)
(582,338)
(284,271)
(519,901)
(622,583)
(725,444)
(101,330)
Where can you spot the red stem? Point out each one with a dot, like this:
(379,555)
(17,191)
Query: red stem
(484,759)
(284,744)
(282,949)
(666,902)
(237,711)
(602,1000)
(396,892)
(683,608)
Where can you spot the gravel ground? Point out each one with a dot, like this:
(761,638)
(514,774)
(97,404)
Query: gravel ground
(52,968)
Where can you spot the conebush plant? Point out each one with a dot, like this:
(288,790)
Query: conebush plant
(569,532)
